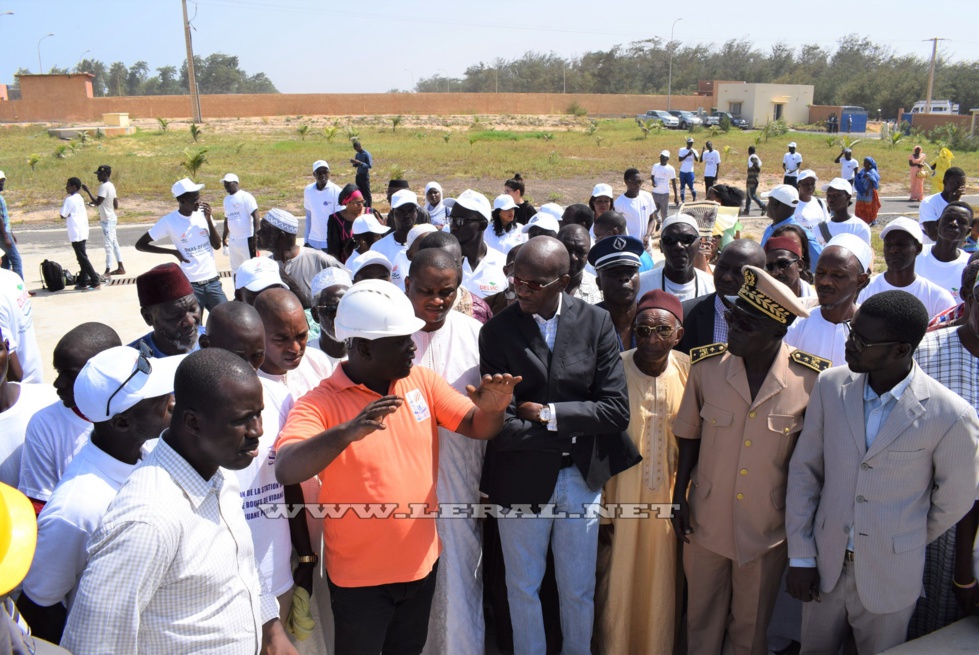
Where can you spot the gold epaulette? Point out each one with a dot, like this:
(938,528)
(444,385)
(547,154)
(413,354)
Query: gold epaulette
(702,353)
(817,364)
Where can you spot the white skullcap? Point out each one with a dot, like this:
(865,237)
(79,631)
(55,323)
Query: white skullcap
(330,277)
(857,246)
(685,219)
(417,231)
(283,220)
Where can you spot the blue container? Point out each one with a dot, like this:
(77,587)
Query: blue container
(853,120)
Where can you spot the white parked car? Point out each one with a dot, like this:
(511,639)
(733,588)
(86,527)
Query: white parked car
(660,115)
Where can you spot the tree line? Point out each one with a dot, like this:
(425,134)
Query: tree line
(857,72)
(216,74)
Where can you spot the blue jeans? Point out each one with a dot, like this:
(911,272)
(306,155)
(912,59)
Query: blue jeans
(11,259)
(686,180)
(574,542)
(209,293)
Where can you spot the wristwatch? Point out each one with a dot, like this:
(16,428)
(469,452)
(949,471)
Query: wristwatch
(308,559)
(544,416)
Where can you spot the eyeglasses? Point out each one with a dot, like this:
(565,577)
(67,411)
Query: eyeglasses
(685,239)
(661,331)
(459,221)
(142,366)
(859,341)
(533,286)
(780,264)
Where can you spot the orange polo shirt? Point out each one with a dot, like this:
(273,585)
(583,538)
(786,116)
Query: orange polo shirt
(397,467)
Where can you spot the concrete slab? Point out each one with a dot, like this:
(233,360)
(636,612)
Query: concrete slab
(962,637)
(115,304)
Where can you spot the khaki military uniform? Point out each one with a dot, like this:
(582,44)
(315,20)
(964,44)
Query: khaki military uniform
(737,552)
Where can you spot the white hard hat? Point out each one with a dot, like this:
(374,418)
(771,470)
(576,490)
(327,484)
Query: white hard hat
(375,309)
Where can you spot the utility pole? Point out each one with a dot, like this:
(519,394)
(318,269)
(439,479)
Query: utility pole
(195,98)
(931,71)
(669,82)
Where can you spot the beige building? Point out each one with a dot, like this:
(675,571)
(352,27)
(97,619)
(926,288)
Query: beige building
(761,103)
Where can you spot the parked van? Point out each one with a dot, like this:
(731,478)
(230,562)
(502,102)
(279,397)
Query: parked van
(937,107)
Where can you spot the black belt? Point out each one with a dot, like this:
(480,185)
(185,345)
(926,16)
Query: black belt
(567,461)
(204,282)
(849,556)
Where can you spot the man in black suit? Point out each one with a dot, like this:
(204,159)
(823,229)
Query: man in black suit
(704,322)
(561,441)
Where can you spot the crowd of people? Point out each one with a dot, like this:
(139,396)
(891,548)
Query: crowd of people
(406,430)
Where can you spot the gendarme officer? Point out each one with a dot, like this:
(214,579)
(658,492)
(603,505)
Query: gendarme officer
(737,425)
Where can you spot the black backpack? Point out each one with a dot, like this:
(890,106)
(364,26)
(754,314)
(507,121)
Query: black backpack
(54,277)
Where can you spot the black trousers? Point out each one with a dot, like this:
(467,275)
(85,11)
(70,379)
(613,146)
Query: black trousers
(87,276)
(791,180)
(391,618)
(708,183)
(363,183)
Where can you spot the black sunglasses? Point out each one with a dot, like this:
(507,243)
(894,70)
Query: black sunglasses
(780,264)
(672,240)
(142,366)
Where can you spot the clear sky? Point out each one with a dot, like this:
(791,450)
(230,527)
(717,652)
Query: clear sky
(344,46)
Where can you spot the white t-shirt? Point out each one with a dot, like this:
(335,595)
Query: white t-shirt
(54,437)
(395,252)
(73,209)
(107,209)
(238,208)
(701,285)
(69,518)
(636,211)
(817,336)
(812,213)
(930,210)
(712,160)
(488,278)
(17,325)
(847,168)
(754,160)
(935,299)
(13,427)
(661,178)
(792,161)
(191,236)
(321,204)
(947,275)
(504,243)
(686,165)
(853,225)
(399,268)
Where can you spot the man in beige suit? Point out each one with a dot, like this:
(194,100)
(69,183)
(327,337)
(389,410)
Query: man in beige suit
(885,464)
(737,425)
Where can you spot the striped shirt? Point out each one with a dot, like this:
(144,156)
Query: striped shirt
(171,568)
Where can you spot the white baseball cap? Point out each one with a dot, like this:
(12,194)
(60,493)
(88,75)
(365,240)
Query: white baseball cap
(2,176)
(417,231)
(368,258)
(374,309)
(792,144)
(806,174)
(504,202)
(329,277)
(602,189)
(543,220)
(785,194)
(368,223)
(475,201)
(186,185)
(118,378)
(230,177)
(665,153)
(552,208)
(320,163)
(839,184)
(258,274)
(904,224)
(403,197)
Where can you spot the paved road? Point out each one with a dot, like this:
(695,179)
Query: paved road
(50,237)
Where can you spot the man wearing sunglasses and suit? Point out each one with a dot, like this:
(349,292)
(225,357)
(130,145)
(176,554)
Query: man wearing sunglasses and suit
(741,413)
(679,241)
(561,440)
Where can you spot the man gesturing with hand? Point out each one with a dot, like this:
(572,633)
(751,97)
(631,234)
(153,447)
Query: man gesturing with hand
(369,433)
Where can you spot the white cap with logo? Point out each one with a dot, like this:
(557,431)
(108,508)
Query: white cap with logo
(186,185)
(118,378)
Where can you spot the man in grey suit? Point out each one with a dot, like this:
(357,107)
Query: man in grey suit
(885,464)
